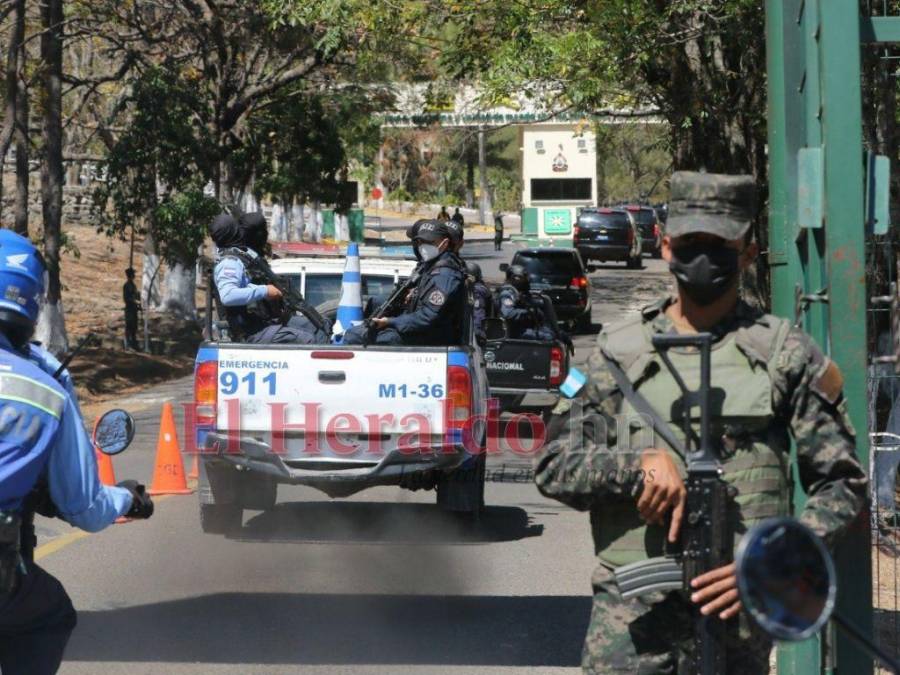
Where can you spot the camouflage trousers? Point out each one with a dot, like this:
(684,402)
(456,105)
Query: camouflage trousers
(653,635)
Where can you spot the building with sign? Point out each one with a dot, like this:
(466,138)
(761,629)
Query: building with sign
(559,174)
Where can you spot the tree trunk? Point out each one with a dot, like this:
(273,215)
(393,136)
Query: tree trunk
(22,154)
(179,293)
(14,53)
(484,203)
(315,228)
(53,327)
(151,276)
(300,220)
(470,176)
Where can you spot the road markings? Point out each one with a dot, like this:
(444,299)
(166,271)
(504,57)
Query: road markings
(64,540)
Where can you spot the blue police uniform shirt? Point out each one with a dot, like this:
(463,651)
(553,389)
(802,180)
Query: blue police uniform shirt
(524,315)
(438,306)
(513,307)
(42,434)
(233,284)
(482,301)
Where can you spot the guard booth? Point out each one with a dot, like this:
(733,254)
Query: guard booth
(559,174)
(833,260)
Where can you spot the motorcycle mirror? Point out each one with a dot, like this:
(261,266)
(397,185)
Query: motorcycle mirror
(113,432)
(786,579)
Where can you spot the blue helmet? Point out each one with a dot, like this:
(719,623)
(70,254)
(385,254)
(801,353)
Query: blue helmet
(21,280)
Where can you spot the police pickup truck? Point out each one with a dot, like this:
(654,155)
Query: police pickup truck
(336,418)
(525,375)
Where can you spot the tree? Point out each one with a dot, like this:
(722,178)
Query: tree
(51,330)
(156,173)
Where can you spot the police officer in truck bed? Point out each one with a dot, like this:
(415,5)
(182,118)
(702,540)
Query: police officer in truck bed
(436,310)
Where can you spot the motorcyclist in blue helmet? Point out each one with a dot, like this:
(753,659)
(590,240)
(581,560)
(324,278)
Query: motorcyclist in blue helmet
(47,463)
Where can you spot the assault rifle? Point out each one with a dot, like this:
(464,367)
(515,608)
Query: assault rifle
(707,538)
(292,300)
(394,303)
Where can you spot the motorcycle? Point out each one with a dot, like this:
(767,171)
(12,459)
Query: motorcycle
(788,585)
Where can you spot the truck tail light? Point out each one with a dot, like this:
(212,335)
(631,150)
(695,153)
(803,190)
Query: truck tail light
(578,283)
(656,230)
(556,364)
(630,235)
(459,397)
(206,388)
(575,232)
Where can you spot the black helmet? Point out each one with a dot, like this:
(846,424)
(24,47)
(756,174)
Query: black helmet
(225,231)
(255,231)
(473,270)
(517,277)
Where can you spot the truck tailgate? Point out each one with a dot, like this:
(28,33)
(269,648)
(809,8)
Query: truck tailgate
(520,364)
(364,384)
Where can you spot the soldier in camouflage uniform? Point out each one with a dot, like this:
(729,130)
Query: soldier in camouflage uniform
(769,382)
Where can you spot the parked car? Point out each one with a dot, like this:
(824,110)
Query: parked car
(647,221)
(608,234)
(561,275)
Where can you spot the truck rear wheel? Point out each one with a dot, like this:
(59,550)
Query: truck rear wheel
(221,518)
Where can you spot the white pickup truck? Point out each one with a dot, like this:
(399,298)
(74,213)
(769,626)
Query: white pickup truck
(335,418)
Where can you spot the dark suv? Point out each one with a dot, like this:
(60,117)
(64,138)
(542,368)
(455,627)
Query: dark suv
(648,226)
(608,234)
(560,274)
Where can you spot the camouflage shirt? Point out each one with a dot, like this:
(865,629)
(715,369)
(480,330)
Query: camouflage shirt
(585,470)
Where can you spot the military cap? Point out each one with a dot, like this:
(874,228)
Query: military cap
(455,230)
(429,230)
(714,203)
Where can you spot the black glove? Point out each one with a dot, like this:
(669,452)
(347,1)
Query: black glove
(141,504)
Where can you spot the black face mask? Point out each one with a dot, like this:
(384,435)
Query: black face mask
(521,284)
(705,273)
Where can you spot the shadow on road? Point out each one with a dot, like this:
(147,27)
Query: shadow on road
(380,522)
(279,628)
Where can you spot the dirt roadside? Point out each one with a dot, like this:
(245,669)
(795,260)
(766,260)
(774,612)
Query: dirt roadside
(93,272)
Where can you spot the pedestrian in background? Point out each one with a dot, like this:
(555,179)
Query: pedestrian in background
(498,231)
(132,307)
(458,218)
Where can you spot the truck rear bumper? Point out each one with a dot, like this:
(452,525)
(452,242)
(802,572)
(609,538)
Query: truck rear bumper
(337,476)
(531,398)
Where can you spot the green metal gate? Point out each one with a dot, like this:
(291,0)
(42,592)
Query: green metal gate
(819,211)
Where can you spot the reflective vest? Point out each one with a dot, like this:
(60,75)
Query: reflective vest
(31,407)
(752,443)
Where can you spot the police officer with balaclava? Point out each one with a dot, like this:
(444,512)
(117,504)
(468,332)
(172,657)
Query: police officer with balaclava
(523,313)
(44,452)
(252,305)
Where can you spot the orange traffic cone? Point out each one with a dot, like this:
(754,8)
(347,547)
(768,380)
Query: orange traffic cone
(108,476)
(195,468)
(105,469)
(168,474)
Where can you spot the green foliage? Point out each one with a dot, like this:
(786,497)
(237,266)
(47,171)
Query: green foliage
(634,162)
(159,166)
(182,218)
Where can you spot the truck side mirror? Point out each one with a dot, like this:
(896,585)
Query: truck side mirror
(495,329)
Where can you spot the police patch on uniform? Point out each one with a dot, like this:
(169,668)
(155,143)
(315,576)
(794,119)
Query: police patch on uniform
(508,302)
(477,303)
(436,298)
(829,383)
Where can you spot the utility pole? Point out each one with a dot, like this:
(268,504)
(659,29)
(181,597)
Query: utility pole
(482,176)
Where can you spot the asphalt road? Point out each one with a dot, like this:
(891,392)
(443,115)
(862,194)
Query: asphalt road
(379,583)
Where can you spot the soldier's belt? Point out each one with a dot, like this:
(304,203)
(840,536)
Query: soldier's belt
(662,574)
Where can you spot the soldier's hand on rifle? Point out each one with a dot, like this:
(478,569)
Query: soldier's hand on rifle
(717,591)
(272,293)
(663,491)
(380,322)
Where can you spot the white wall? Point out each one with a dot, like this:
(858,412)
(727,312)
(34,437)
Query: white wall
(558,139)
